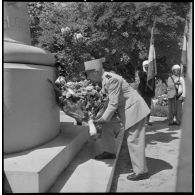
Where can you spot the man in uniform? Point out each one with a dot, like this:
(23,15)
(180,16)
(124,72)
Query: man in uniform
(132,110)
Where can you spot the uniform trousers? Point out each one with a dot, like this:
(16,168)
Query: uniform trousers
(135,138)
(110,130)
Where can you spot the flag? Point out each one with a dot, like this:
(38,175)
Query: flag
(152,70)
(184,50)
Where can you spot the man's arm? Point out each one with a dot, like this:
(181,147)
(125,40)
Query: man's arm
(113,92)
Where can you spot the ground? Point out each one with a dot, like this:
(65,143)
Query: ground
(162,149)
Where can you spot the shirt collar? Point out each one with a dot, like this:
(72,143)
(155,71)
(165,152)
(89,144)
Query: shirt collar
(104,79)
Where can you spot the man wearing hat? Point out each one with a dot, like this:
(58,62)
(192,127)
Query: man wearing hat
(176,95)
(144,90)
(132,110)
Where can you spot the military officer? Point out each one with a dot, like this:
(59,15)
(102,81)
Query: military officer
(132,110)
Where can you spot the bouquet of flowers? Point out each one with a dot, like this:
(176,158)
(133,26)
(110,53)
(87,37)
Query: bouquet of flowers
(81,100)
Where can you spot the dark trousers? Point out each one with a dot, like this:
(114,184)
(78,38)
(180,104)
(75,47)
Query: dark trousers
(148,101)
(175,109)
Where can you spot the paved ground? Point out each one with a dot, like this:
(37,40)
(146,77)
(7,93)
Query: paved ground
(162,144)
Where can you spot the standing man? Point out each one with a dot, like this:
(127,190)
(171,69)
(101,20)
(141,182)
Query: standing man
(176,95)
(144,90)
(132,110)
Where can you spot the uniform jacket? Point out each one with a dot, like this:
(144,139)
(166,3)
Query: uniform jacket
(123,98)
(171,87)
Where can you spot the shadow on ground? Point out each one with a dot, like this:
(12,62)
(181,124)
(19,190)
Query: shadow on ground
(161,132)
(157,165)
(159,125)
(124,167)
(158,132)
(154,165)
(161,137)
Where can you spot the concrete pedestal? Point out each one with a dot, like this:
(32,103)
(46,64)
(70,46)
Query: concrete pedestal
(31,115)
(86,174)
(36,170)
(16,23)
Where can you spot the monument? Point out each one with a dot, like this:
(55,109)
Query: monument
(31,116)
(38,144)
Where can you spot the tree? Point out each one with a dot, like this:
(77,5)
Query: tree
(118,31)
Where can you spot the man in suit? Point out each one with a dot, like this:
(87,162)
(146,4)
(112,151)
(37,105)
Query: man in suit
(132,110)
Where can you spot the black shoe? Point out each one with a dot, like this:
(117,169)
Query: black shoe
(177,123)
(171,124)
(135,177)
(105,155)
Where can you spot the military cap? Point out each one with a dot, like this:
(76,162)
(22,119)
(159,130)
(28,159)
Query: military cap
(93,65)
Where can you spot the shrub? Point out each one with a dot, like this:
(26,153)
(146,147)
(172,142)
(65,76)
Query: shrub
(160,111)
(162,100)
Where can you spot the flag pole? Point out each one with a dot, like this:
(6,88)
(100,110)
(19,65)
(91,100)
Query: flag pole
(184,49)
(152,55)
(152,31)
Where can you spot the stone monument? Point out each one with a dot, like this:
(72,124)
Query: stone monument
(31,115)
(38,143)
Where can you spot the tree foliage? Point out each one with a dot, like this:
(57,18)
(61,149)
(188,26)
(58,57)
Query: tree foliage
(118,31)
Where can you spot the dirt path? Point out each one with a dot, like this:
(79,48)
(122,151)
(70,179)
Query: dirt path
(162,151)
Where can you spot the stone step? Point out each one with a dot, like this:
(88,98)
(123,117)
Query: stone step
(85,174)
(36,170)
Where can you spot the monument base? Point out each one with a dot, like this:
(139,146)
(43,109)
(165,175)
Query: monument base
(36,170)
(31,115)
(86,174)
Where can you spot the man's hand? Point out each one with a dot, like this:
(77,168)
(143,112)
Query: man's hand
(100,120)
(178,83)
(85,124)
(182,98)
